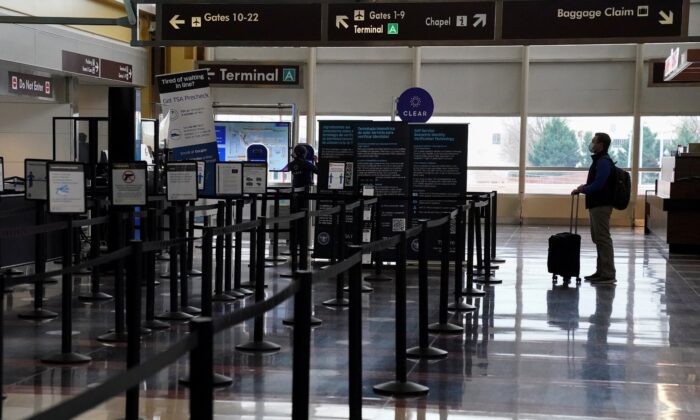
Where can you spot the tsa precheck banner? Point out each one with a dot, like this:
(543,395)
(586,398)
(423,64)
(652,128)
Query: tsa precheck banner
(191,136)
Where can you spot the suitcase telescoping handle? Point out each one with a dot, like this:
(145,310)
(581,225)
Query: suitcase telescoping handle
(573,223)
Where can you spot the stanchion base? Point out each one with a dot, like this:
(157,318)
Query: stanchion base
(222,297)
(484,280)
(366,288)
(315,322)
(37,314)
(446,328)
(498,260)
(220,380)
(460,307)
(425,353)
(473,292)
(66,359)
(244,291)
(167,275)
(175,316)
(286,275)
(113,337)
(191,310)
(401,389)
(337,302)
(276,260)
(194,273)
(156,325)
(95,297)
(378,277)
(235,294)
(258,347)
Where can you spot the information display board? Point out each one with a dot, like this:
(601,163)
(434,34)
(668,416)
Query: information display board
(439,169)
(66,187)
(254,178)
(35,179)
(128,183)
(181,181)
(234,137)
(229,178)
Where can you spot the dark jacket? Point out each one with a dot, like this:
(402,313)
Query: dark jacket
(600,191)
(302,173)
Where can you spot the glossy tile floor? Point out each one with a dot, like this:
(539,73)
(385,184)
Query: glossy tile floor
(531,351)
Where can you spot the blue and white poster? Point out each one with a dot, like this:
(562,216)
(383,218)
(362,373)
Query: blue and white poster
(186,98)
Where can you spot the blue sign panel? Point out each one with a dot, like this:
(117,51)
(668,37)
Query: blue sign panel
(257,153)
(415,105)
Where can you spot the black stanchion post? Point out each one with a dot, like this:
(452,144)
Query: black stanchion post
(39,268)
(133,323)
(237,272)
(442,326)
(151,233)
(258,344)
(376,235)
(219,294)
(293,235)
(338,254)
(301,363)
(357,240)
(252,266)
(2,342)
(174,314)
(487,274)
(228,258)
(458,304)
(494,228)
(304,266)
(184,264)
(276,231)
(355,339)
(479,245)
(472,227)
(119,335)
(191,271)
(202,369)
(95,237)
(67,355)
(424,350)
(400,387)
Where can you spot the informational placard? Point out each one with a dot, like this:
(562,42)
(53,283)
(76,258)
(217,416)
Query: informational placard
(252,74)
(439,170)
(115,70)
(128,183)
(394,23)
(593,19)
(181,181)
(35,179)
(66,187)
(249,23)
(229,178)
(254,178)
(200,175)
(336,175)
(187,98)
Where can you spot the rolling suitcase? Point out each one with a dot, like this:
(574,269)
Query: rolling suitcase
(563,258)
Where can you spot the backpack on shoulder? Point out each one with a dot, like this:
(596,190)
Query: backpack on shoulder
(623,188)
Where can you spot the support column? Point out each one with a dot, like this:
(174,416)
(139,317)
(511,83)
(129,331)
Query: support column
(524,91)
(636,130)
(417,64)
(311,98)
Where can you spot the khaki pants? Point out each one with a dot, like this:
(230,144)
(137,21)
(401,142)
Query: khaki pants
(600,234)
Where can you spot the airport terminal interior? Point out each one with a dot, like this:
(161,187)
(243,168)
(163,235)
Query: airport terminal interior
(367,210)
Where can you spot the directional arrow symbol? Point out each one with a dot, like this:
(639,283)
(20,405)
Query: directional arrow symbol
(175,21)
(666,19)
(341,20)
(480,19)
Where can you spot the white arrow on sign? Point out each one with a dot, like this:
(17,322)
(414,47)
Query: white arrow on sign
(175,21)
(341,20)
(666,19)
(480,20)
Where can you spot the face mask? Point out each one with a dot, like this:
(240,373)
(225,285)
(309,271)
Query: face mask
(591,147)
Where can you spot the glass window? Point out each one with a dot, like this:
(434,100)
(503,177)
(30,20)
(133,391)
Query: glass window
(563,141)
(662,135)
(484,180)
(553,182)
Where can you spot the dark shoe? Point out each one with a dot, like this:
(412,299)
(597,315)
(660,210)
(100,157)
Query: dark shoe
(592,276)
(603,280)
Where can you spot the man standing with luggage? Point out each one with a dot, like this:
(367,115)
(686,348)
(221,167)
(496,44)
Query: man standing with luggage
(599,190)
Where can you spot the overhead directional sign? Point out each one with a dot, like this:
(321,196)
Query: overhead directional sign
(572,19)
(405,22)
(263,23)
